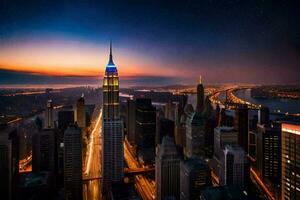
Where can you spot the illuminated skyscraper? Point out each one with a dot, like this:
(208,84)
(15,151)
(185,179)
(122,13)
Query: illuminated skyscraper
(268,157)
(49,121)
(112,152)
(200,97)
(80,113)
(290,160)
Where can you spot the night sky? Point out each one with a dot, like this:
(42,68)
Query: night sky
(169,42)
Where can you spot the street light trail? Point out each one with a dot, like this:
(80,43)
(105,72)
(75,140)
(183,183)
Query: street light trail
(142,184)
(264,187)
(91,144)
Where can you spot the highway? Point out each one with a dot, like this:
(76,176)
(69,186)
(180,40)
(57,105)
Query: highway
(144,185)
(92,160)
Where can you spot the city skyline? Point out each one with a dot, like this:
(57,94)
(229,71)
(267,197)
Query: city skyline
(154,41)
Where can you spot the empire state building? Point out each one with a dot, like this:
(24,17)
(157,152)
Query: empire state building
(112,140)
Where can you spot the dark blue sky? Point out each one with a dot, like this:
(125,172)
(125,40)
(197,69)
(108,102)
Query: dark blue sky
(225,41)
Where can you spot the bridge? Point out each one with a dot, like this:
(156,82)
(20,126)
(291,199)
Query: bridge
(137,171)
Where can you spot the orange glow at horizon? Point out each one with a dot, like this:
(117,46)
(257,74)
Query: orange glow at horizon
(75,59)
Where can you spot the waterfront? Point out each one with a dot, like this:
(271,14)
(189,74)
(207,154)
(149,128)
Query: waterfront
(283,105)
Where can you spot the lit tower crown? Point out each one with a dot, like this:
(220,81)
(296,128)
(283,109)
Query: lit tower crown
(111,90)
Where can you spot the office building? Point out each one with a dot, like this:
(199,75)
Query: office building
(73,163)
(290,161)
(195,136)
(268,157)
(167,170)
(112,135)
(235,170)
(145,130)
(49,120)
(242,126)
(80,116)
(194,176)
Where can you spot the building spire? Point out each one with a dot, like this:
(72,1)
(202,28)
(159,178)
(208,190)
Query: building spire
(110,62)
(200,80)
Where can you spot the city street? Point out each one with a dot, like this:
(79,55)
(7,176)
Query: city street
(92,169)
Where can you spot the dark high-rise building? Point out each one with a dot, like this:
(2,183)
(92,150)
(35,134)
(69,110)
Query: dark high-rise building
(130,125)
(145,129)
(9,165)
(242,126)
(195,136)
(290,161)
(47,150)
(223,136)
(263,115)
(268,157)
(49,120)
(80,116)
(235,170)
(44,152)
(194,176)
(164,127)
(73,163)
(167,170)
(200,97)
(112,140)
(65,118)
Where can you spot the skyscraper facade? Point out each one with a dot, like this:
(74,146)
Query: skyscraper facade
(234,166)
(269,151)
(194,176)
(112,140)
(290,160)
(145,129)
(167,170)
(195,136)
(47,150)
(73,163)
